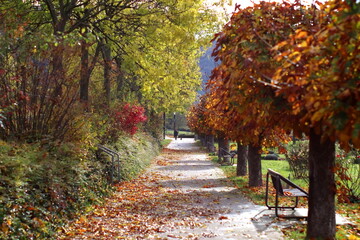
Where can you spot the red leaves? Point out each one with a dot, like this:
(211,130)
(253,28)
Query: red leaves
(223,218)
(128,117)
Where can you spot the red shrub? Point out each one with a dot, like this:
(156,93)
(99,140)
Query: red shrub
(128,117)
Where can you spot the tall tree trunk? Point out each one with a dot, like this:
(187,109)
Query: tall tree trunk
(242,152)
(57,74)
(119,79)
(164,125)
(84,73)
(106,52)
(202,140)
(210,143)
(224,149)
(255,178)
(321,219)
(86,70)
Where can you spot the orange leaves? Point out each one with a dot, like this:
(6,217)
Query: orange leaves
(223,218)
(209,186)
(142,208)
(300,34)
(314,63)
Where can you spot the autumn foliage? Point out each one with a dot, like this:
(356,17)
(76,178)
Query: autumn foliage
(319,73)
(286,67)
(128,117)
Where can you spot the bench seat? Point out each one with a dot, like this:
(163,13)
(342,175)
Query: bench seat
(291,190)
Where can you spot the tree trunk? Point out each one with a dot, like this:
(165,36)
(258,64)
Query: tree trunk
(106,51)
(119,79)
(241,167)
(210,143)
(224,150)
(255,178)
(321,219)
(164,125)
(86,70)
(84,73)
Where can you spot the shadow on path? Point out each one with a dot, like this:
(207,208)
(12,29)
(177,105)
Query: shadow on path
(234,216)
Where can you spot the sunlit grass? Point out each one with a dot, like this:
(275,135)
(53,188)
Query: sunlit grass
(298,231)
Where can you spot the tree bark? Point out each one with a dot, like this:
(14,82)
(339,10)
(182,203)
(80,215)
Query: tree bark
(86,70)
(242,155)
(210,143)
(106,52)
(84,73)
(321,219)
(119,79)
(224,148)
(255,177)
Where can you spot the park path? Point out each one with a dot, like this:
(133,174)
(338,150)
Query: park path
(183,195)
(233,216)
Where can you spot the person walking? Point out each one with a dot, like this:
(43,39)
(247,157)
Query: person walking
(176,133)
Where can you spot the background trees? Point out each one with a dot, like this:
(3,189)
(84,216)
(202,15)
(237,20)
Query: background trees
(100,52)
(78,73)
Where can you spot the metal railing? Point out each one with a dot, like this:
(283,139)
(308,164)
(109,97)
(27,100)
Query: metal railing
(115,162)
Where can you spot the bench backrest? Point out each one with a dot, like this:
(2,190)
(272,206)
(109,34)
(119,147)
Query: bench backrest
(277,180)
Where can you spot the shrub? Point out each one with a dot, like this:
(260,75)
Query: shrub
(33,103)
(40,186)
(297,154)
(347,173)
(124,118)
(135,154)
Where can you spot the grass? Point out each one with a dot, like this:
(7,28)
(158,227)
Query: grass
(298,231)
(170,132)
(165,142)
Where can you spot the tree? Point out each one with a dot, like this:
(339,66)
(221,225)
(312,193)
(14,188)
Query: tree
(255,85)
(320,77)
(250,111)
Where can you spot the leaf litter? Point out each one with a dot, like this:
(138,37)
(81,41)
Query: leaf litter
(143,209)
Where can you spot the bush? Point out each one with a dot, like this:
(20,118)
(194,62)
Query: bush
(136,154)
(347,173)
(41,186)
(33,105)
(124,118)
(297,154)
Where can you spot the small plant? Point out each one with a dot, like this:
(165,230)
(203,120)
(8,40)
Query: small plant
(297,155)
(347,176)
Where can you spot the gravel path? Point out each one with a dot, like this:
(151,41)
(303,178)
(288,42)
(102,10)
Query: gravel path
(221,211)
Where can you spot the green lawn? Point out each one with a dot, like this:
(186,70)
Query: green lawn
(170,132)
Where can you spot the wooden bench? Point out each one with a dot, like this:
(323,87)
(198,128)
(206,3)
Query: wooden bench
(283,188)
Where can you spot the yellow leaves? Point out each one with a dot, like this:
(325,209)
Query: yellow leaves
(353,237)
(280,45)
(303,44)
(295,56)
(317,116)
(5,226)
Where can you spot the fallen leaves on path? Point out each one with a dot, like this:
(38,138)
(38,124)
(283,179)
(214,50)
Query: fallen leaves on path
(142,209)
